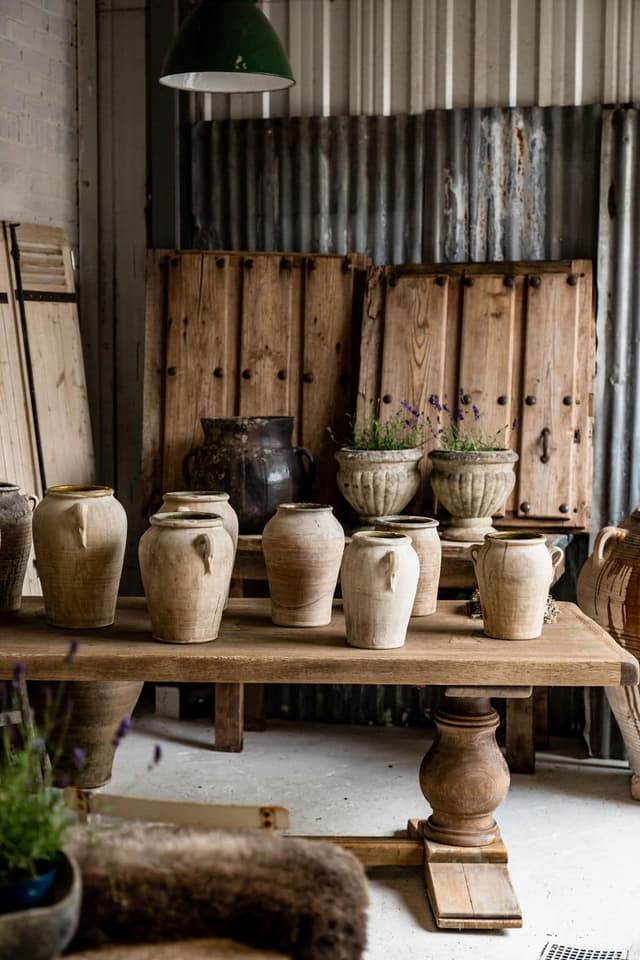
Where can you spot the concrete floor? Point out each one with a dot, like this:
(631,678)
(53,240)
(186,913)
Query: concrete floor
(572,830)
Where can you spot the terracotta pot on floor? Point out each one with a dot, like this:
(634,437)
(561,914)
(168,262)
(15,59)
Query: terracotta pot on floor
(379,579)
(186,559)
(303,546)
(79,535)
(423,533)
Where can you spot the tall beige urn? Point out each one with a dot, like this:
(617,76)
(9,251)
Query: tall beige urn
(204,501)
(79,536)
(303,546)
(514,572)
(379,579)
(186,559)
(423,533)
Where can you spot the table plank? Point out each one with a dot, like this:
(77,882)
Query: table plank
(446,648)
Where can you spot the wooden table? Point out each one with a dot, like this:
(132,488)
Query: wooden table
(463,775)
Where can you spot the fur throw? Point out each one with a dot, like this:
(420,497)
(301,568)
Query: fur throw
(150,883)
(181,950)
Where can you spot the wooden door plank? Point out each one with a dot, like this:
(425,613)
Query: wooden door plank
(550,373)
(44,276)
(371,337)
(327,368)
(270,345)
(584,395)
(155,320)
(202,360)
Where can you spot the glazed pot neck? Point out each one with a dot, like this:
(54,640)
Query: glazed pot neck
(196,495)
(187,520)
(400,522)
(379,538)
(6,487)
(79,490)
(267,431)
(291,508)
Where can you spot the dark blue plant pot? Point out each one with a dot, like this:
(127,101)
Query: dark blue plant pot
(30,892)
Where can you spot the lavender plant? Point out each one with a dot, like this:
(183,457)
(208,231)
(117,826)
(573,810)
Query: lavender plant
(449,426)
(403,431)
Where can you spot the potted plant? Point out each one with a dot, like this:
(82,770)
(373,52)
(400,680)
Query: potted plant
(39,883)
(471,471)
(378,470)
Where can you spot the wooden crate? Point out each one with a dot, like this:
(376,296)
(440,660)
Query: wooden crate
(515,339)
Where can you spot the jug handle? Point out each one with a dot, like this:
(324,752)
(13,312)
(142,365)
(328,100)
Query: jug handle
(603,537)
(557,553)
(33,500)
(79,513)
(186,473)
(391,559)
(204,547)
(474,550)
(311,461)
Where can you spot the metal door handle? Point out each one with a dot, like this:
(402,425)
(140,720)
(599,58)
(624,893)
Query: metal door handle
(546,433)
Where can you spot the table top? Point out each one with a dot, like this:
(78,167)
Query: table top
(446,648)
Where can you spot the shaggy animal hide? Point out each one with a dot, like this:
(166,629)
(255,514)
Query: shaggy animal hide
(149,883)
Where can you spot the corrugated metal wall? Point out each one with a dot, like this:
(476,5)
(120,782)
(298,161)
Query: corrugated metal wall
(383,57)
(457,185)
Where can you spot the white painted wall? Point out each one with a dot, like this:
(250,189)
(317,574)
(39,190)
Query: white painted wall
(38,117)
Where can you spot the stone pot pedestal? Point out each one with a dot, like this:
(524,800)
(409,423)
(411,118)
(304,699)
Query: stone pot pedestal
(465,777)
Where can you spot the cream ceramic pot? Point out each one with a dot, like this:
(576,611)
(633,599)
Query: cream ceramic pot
(79,536)
(204,501)
(423,533)
(303,546)
(186,559)
(379,579)
(514,572)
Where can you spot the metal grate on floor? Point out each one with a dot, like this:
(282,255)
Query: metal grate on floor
(557,951)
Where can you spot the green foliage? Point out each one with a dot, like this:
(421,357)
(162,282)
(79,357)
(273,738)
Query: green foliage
(450,428)
(398,433)
(33,818)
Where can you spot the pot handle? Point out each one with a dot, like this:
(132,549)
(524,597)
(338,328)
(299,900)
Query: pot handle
(186,472)
(557,553)
(204,547)
(33,500)
(79,514)
(311,465)
(391,560)
(603,538)
(474,550)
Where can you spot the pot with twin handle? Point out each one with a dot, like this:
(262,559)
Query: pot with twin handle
(254,460)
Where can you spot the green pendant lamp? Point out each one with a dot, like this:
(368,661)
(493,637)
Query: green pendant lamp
(227,46)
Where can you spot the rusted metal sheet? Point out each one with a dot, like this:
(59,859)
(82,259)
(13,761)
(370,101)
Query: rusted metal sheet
(457,185)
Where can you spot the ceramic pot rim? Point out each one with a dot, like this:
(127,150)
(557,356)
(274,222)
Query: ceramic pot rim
(234,421)
(475,456)
(395,456)
(197,494)
(306,507)
(386,538)
(407,522)
(6,486)
(79,490)
(187,518)
(516,536)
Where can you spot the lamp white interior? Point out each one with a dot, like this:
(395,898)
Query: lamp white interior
(231,82)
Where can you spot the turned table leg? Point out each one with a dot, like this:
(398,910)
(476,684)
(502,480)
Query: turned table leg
(465,777)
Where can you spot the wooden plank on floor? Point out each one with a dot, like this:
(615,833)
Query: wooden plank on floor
(382,851)
(472,895)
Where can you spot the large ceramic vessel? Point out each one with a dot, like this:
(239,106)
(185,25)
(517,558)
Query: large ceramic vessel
(379,579)
(608,591)
(79,535)
(303,546)
(204,501)
(514,572)
(378,482)
(186,559)
(471,485)
(423,533)
(15,544)
(253,459)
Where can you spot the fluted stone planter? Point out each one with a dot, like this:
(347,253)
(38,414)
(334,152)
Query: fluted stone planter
(471,485)
(378,482)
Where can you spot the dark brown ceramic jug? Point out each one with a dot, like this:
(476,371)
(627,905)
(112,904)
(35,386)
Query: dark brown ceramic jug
(15,543)
(253,459)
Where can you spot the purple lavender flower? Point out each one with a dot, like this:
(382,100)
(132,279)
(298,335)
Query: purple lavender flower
(459,415)
(72,651)
(476,411)
(78,757)
(515,423)
(38,745)
(434,400)
(446,408)
(412,410)
(18,675)
(123,728)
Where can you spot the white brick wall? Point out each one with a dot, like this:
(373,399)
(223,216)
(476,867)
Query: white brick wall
(38,115)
